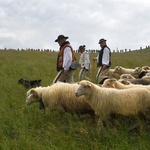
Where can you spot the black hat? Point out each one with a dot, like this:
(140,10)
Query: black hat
(81,47)
(61,37)
(101,40)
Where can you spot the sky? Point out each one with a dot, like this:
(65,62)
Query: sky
(125,24)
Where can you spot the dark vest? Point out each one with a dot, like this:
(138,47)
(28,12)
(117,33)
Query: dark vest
(101,56)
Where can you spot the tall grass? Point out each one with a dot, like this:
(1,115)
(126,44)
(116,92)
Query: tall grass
(27,128)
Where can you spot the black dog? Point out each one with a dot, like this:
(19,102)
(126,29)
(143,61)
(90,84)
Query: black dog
(29,84)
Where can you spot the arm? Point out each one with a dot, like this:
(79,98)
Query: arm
(86,61)
(67,59)
(106,57)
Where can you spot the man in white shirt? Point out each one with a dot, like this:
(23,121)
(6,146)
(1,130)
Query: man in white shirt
(103,60)
(64,60)
(84,62)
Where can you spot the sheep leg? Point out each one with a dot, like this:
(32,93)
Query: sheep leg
(41,105)
(136,125)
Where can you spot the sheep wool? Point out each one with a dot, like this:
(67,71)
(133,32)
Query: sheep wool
(121,70)
(60,97)
(113,83)
(127,102)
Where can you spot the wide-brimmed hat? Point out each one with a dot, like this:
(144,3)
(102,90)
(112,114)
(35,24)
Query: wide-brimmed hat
(101,40)
(61,37)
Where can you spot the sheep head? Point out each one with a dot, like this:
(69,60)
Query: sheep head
(32,96)
(83,88)
(146,68)
(109,83)
(124,81)
(137,70)
(117,69)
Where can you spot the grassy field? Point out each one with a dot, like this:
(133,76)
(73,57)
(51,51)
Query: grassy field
(27,128)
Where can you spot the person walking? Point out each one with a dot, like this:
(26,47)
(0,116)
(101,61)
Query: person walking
(103,60)
(65,58)
(84,62)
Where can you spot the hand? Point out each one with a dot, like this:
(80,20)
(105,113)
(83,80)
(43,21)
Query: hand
(94,59)
(66,72)
(104,67)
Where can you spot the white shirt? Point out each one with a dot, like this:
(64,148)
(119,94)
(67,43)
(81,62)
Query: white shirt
(105,57)
(67,58)
(84,60)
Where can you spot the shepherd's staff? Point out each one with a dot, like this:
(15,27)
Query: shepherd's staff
(58,76)
(93,68)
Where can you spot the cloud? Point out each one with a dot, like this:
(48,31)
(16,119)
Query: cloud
(36,23)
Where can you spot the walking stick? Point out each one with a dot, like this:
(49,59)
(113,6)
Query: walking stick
(93,68)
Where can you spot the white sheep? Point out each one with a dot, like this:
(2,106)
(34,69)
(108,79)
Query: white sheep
(60,97)
(147,76)
(137,71)
(111,73)
(126,76)
(104,101)
(146,67)
(121,70)
(140,71)
(135,81)
(113,83)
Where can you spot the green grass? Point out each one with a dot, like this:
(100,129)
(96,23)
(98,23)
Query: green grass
(27,128)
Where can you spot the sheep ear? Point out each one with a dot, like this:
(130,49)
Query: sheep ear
(113,85)
(34,93)
(88,85)
(113,79)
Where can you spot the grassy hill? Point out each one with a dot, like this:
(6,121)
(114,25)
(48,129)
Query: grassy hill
(27,128)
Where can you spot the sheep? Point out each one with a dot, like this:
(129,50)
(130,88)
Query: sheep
(111,73)
(147,76)
(106,101)
(127,76)
(135,81)
(121,70)
(146,67)
(60,97)
(137,71)
(113,83)
(141,71)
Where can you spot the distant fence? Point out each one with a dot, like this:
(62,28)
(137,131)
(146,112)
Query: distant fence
(76,51)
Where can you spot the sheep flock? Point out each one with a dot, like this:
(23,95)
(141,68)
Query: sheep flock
(124,92)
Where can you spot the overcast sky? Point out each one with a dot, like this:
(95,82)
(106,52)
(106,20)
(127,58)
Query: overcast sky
(37,23)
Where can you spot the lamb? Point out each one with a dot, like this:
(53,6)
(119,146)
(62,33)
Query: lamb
(104,101)
(60,97)
(113,83)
